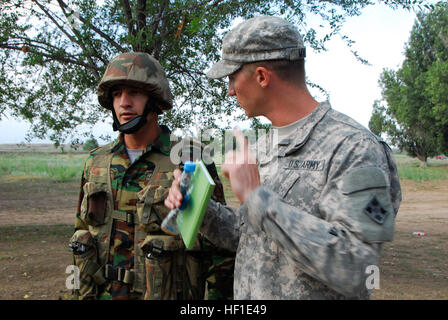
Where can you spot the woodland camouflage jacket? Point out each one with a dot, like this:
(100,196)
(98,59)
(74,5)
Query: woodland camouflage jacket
(130,184)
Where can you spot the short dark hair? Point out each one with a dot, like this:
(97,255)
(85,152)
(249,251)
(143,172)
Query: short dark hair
(290,71)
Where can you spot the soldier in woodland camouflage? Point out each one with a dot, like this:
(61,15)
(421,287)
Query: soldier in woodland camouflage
(118,244)
(319,192)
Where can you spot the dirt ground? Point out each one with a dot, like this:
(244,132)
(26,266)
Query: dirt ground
(36,219)
(416,267)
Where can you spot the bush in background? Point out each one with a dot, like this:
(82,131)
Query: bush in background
(90,144)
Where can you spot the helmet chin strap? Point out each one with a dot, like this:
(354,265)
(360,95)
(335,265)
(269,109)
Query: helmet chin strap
(135,124)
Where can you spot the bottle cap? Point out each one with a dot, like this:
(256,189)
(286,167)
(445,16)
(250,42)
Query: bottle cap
(190,166)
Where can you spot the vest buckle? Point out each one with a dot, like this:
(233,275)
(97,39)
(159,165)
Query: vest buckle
(120,274)
(129,219)
(155,251)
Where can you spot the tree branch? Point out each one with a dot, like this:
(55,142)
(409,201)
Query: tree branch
(51,56)
(163,32)
(98,31)
(128,15)
(141,14)
(155,25)
(47,13)
(196,6)
(28,40)
(93,67)
(81,43)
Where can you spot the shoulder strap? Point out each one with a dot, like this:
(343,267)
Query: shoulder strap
(162,164)
(100,173)
(101,159)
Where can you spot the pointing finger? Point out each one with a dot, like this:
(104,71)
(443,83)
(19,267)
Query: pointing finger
(241,140)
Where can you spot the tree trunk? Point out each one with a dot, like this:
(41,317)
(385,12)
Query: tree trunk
(423,161)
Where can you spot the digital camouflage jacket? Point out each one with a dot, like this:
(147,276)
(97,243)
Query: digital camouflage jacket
(328,199)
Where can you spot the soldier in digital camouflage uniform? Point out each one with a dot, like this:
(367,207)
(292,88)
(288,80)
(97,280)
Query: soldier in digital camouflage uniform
(321,194)
(118,244)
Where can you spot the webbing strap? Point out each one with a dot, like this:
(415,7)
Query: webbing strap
(120,274)
(103,159)
(98,277)
(123,216)
(94,270)
(139,236)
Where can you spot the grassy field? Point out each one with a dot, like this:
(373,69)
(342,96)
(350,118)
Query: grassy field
(38,196)
(59,167)
(409,168)
(63,167)
(38,148)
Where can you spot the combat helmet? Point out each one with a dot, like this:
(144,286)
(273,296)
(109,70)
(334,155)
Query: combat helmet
(141,70)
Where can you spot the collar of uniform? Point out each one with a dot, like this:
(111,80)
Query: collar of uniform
(288,145)
(118,144)
(301,135)
(161,144)
(119,148)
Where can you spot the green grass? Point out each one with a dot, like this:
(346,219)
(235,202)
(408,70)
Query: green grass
(418,174)
(58,167)
(67,167)
(409,168)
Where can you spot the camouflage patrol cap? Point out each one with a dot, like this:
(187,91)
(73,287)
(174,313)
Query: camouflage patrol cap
(137,69)
(258,39)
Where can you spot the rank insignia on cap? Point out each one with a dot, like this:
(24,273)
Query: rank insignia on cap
(375,211)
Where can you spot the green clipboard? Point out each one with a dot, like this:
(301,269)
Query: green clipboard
(190,219)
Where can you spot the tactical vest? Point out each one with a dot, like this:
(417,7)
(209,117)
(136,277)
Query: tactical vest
(163,268)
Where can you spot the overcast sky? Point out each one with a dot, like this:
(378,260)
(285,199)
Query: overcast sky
(380,34)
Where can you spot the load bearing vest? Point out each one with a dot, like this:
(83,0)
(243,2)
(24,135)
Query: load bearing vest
(147,233)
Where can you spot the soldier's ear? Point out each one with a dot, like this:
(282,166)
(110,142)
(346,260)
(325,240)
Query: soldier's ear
(263,76)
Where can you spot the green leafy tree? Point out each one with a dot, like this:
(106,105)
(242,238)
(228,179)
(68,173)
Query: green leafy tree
(53,53)
(90,144)
(416,116)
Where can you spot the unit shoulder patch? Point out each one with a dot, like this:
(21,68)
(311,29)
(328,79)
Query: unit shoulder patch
(375,211)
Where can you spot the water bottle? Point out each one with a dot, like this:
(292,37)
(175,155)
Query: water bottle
(169,224)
